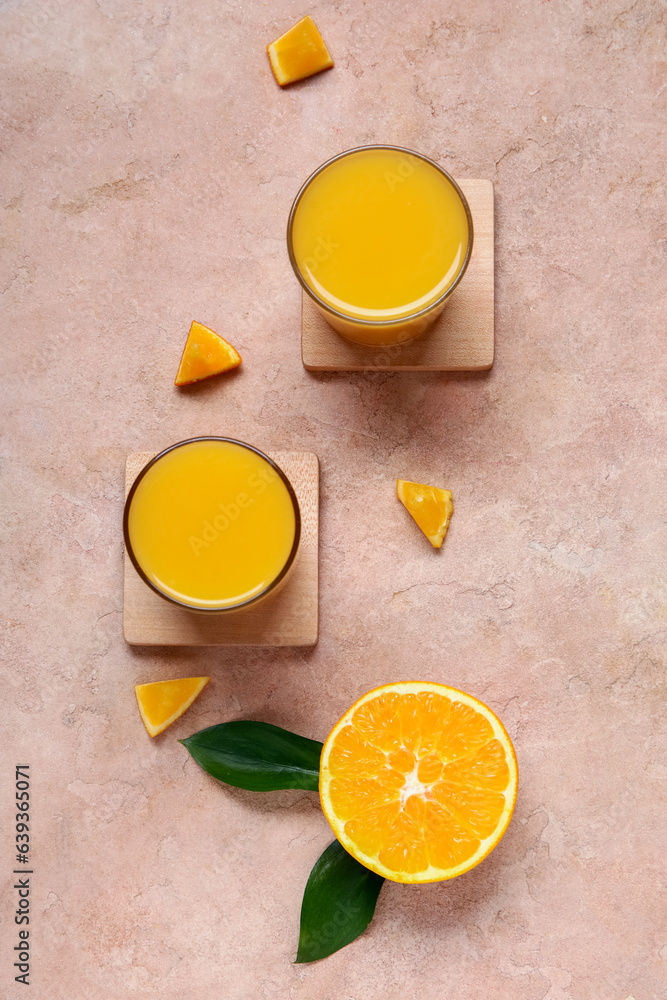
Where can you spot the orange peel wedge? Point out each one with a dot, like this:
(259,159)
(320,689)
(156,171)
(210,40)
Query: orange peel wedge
(205,354)
(299,53)
(162,702)
(430,506)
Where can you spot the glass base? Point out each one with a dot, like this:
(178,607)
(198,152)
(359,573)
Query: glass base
(382,334)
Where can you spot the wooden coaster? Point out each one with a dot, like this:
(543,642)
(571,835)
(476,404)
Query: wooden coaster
(290,618)
(461,339)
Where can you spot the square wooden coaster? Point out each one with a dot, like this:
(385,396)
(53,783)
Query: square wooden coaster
(461,339)
(290,618)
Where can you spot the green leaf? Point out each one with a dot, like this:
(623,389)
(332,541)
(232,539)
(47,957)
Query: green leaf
(338,904)
(257,756)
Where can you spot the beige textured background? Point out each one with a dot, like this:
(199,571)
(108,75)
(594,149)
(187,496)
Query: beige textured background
(148,165)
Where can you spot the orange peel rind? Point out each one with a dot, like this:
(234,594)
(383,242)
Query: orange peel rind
(162,702)
(205,354)
(299,53)
(430,506)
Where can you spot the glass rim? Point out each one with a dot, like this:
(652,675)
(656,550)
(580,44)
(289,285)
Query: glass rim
(271,586)
(347,316)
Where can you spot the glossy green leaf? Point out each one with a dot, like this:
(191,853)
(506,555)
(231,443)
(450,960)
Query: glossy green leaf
(338,904)
(257,756)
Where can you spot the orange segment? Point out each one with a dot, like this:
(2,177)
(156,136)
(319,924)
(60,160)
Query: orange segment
(162,702)
(434,710)
(354,796)
(488,768)
(429,769)
(205,354)
(478,810)
(377,721)
(370,831)
(465,730)
(299,53)
(430,507)
(401,760)
(450,844)
(404,848)
(418,781)
(350,746)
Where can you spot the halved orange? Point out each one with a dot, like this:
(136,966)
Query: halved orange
(418,781)
(162,702)
(205,354)
(430,506)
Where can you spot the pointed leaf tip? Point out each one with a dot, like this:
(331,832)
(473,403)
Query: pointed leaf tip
(338,903)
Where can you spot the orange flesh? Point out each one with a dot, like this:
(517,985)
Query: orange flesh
(299,53)
(162,702)
(205,354)
(430,506)
(417,785)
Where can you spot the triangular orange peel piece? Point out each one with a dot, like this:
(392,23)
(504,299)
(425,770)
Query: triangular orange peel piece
(430,506)
(205,354)
(299,53)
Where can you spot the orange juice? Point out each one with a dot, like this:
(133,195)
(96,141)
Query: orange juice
(212,524)
(379,236)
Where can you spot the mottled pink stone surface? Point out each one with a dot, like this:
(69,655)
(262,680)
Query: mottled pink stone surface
(148,164)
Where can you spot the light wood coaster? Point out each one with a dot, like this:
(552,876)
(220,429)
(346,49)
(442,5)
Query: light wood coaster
(289,618)
(461,339)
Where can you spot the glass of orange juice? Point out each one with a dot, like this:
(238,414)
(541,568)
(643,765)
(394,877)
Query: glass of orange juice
(212,524)
(379,237)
